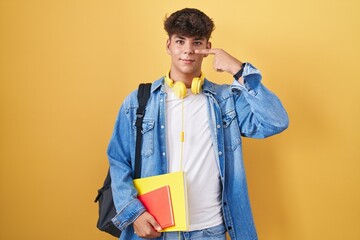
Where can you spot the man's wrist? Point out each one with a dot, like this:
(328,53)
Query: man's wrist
(239,73)
(235,67)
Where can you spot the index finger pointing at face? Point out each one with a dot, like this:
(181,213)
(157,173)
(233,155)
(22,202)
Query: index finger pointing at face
(206,51)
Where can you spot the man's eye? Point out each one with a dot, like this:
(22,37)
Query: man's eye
(179,41)
(197,43)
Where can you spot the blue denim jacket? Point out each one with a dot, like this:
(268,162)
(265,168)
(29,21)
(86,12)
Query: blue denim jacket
(236,110)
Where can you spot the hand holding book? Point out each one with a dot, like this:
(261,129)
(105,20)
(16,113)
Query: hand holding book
(145,226)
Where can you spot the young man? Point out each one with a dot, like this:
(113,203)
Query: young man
(212,118)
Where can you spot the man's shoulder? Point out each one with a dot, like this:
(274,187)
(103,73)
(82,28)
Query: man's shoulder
(219,90)
(131,99)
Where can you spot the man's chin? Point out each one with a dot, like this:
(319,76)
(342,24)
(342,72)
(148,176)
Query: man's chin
(189,71)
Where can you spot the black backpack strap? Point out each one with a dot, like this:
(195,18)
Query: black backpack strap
(143,97)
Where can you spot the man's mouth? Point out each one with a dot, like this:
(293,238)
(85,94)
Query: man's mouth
(188,61)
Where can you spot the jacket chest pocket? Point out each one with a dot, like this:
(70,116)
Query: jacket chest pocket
(147,148)
(232,138)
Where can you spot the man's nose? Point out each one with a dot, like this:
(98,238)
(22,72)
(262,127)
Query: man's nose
(189,48)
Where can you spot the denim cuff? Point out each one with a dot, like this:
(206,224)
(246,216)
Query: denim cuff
(252,78)
(128,214)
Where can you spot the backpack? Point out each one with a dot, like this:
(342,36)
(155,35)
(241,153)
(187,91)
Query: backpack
(107,209)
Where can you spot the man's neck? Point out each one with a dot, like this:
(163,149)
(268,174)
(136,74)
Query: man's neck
(186,78)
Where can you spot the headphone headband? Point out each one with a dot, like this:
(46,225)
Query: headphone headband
(179,87)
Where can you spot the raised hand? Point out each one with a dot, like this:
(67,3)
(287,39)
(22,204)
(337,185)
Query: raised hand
(223,62)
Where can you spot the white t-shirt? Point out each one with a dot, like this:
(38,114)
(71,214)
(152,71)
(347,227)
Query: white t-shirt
(199,161)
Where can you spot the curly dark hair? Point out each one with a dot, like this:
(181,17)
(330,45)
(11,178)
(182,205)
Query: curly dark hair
(189,22)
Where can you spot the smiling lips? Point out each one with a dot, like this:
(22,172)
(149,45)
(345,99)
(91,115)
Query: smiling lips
(187,61)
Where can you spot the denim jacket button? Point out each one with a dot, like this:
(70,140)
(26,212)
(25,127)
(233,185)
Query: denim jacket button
(220,152)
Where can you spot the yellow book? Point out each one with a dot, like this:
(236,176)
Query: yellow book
(177,183)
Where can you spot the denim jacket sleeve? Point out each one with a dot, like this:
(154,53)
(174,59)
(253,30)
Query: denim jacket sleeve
(127,205)
(260,112)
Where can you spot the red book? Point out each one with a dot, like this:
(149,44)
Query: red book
(158,203)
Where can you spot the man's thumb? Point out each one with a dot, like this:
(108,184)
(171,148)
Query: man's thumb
(155,224)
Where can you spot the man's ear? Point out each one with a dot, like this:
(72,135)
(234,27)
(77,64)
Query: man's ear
(208,46)
(168,46)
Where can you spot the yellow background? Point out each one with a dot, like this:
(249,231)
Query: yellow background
(66,66)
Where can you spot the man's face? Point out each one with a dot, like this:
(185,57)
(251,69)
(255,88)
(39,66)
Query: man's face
(184,61)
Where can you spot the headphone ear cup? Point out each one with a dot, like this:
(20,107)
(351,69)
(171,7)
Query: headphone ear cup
(179,89)
(196,85)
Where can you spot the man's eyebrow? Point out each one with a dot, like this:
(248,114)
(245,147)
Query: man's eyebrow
(181,37)
(196,38)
